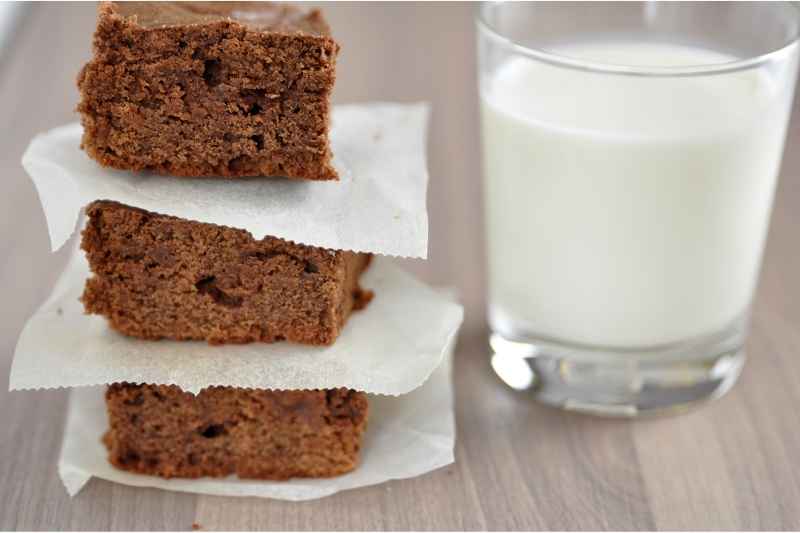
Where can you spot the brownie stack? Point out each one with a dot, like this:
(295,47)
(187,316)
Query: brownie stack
(217,90)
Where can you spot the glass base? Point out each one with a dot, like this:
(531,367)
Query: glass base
(623,382)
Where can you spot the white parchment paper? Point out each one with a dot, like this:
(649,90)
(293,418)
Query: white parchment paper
(377,206)
(407,436)
(390,347)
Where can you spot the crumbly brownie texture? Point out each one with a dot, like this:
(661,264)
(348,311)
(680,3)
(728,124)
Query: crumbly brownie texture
(210,89)
(161,430)
(157,276)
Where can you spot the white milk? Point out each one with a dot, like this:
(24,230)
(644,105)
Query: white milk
(627,211)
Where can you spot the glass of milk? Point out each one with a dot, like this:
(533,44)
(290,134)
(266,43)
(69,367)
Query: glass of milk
(630,158)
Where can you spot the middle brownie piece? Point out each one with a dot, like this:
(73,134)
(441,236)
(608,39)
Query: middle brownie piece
(157,276)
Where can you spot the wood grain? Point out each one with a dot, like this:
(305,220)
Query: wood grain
(730,465)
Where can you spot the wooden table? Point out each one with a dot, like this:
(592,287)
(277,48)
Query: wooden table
(732,464)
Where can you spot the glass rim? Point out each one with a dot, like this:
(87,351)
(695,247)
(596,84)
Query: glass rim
(545,56)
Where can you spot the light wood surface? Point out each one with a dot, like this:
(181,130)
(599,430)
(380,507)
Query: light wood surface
(730,465)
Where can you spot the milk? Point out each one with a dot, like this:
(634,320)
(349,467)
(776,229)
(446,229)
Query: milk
(627,211)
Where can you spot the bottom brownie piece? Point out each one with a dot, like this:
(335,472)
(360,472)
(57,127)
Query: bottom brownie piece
(161,430)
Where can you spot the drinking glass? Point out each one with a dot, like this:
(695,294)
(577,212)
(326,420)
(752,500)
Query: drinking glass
(630,157)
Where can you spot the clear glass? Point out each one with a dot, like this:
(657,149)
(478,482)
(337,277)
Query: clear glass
(631,153)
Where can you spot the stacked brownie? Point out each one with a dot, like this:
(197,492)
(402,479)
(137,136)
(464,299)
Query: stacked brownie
(217,90)
(157,276)
(210,89)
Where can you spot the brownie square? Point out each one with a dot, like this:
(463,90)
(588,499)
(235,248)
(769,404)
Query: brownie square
(210,89)
(157,276)
(163,431)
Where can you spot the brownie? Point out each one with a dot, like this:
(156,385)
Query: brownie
(157,276)
(210,89)
(161,430)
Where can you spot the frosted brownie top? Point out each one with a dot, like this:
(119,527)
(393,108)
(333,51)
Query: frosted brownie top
(259,16)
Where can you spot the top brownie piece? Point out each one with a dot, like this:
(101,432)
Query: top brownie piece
(210,89)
